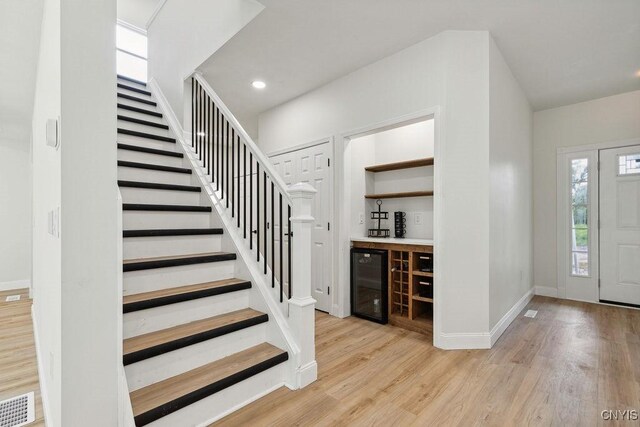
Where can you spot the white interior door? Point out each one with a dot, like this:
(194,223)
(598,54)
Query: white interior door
(620,225)
(311,165)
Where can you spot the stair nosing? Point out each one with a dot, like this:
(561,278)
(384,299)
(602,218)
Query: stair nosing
(146,135)
(129,79)
(136,99)
(192,339)
(185,296)
(210,389)
(151,166)
(133,89)
(142,122)
(159,186)
(139,110)
(164,208)
(177,261)
(129,147)
(164,232)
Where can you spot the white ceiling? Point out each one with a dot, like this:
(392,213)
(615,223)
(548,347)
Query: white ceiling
(138,12)
(561,52)
(19,46)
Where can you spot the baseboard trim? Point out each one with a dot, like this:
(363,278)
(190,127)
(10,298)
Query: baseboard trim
(464,341)
(546,291)
(510,316)
(15,284)
(44,396)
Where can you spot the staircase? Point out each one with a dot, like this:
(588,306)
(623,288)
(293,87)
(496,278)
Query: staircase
(199,338)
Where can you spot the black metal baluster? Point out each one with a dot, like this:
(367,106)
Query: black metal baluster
(224,147)
(193,118)
(226,179)
(238,178)
(208,136)
(251,200)
(212,109)
(258,209)
(244,192)
(219,171)
(281,242)
(266,223)
(199,148)
(289,255)
(273,239)
(233,172)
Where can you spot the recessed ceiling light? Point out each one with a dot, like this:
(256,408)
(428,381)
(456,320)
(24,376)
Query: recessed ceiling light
(258,84)
(638,73)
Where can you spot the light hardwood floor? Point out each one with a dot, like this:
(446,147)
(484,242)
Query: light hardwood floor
(560,369)
(18,364)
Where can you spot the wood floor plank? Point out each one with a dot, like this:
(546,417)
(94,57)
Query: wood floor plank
(18,363)
(561,368)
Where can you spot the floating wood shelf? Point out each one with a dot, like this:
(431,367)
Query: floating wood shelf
(401,165)
(423,299)
(399,195)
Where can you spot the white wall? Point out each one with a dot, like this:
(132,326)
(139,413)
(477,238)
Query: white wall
(450,70)
(75,274)
(15,212)
(511,211)
(407,142)
(47,252)
(601,120)
(184,34)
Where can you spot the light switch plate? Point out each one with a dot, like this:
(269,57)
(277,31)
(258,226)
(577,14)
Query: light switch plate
(417,218)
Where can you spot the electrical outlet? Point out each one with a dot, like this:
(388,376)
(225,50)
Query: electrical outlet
(361,220)
(417,218)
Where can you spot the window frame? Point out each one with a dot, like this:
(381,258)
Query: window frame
(588,207)
(133,54)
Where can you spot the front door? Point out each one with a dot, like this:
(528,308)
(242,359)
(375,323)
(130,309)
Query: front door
(311,165)
(620,225)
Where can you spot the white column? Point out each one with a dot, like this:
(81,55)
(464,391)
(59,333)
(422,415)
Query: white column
(301,304)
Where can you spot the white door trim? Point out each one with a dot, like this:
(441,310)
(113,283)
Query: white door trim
(567,283)
(332,216)
(342,243)
(599,146)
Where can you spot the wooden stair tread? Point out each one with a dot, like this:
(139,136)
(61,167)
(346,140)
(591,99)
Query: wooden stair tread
(171,389)
(172,257)
(152,339)
(145,296)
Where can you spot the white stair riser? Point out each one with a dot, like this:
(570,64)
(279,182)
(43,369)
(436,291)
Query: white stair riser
(130,83)
(148,247)
(204,411)
(138,104)
(133,92)
(148,142)
(142,116)
(149,175)
(124,124)
(137,220)
(163,278)
(165,197)
(157,318)
(176,362)
(154,159)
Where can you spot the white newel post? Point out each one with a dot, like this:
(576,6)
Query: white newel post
(301,304)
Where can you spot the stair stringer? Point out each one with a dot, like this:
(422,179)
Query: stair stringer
(262,297)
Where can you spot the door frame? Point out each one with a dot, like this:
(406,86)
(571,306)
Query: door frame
(330,187)
(343,236)
(564,155)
